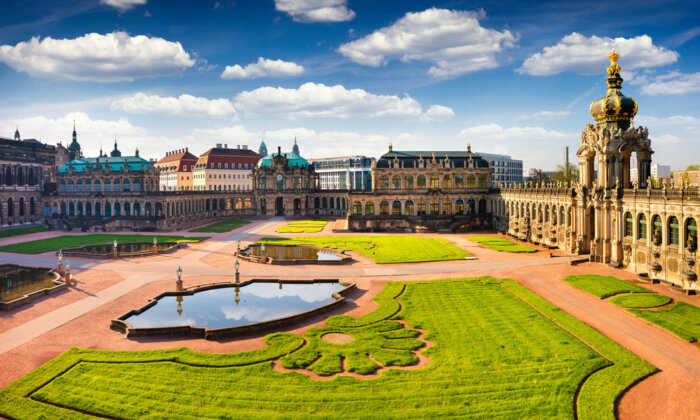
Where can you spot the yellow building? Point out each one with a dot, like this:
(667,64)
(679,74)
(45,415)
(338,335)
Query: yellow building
(175,170)
(224,169)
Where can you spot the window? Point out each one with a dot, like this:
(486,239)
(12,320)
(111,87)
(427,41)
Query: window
(420,181)
(408,208)
(656,222)
(628,225)
(459,181)
(384,182)
(212,165)
(459,207)
(434,207)
(691,230)
(219,165)
(184,167)
(471,181)
(395,182)
(421,207)
(384,207)
(447,181)
(434,182)
(673,230)
(369,207)
(446,207)
(642,227)
(409,181)
(357,208)
(483,182)
(225,165)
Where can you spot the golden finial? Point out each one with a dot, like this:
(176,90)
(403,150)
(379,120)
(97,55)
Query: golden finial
(614,68)
(391,147)
(469,147)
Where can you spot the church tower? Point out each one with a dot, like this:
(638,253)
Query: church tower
(74,148)
(17,133)
(262,151)
(295,148)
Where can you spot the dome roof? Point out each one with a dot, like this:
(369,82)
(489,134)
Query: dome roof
(293,160)
(614,109)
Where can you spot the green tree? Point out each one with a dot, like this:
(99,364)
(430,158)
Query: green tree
(566,174)
(693,168)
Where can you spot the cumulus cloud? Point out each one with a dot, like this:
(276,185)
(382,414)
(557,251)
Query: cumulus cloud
(312,100)
(544,115)
(671,83)
(437,113)
(496,132)
(140,103)
(123,5)
(311,11)
(454,41)
(589,55)
(263,68)
(113,57)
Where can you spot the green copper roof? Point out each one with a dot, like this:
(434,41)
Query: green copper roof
(292,160)
(134,163)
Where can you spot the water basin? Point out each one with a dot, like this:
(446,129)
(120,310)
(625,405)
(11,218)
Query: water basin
(126,249)
(17,283)
(294,254)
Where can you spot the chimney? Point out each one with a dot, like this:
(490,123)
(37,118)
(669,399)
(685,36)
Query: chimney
(238,146)
(187,149)
(218,145)
(226,146)
(244,147)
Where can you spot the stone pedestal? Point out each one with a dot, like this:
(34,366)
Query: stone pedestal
(155,250)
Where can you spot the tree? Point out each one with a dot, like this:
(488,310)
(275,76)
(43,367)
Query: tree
(693,168)
(568,174)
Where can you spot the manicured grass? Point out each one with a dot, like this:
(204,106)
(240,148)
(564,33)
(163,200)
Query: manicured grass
(499,351)
(384,249)
(680,319)
(60,242)
(640,300)
(303,226)
(500,244)
(4,233)
(223,226)
(603,286)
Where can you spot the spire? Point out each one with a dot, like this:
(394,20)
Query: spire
(262,151)
(75,134)
(74,147)
(391,147)
(115,152)
(614,110)
(137,152)
(17,133)
(295,148)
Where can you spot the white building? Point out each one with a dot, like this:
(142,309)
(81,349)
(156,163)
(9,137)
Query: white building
(505,168)
(347,172)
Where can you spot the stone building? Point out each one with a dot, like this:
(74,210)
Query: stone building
(424,191)
(612,217)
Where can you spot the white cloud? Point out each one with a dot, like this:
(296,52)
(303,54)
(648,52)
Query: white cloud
(327,143)
(236,134)
(589,55)
(140,103)
(123,5)
(454,41)
(437,113)
(263,68)
(311,11)
(673,138)
(671,83)
(312,100)
(99,58)
(496,132)
(544,115)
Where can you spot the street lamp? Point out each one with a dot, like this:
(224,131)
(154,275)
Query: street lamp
(179,278)
(155,241)
(236,265)
(68,279)
(238,246)
(114,251)
(60,261)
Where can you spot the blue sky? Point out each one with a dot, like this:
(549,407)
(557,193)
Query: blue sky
(346,76)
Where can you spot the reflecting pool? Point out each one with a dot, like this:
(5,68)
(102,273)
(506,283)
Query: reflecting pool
(17,281)
(231,306)
(293,252)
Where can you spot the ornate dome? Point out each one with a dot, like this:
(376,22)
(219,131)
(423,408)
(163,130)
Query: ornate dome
(614,109)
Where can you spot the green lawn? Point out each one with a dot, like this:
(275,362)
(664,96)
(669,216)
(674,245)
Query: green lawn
(60,242)
(303,226)
(500,244)
(603,286)
(680,319)
(640,300)
(499,351)
(384,249)
(223,226)
(4,233)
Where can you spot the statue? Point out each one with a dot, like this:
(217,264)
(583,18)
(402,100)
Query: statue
(648,183)
(690,243)
(656,237)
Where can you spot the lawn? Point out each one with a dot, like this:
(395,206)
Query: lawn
(384,249)
(680,319)
(500,244)
(223,226)
(303,226)
(640,300)
(603,286)
(60,242)
(516,357)
(4,233)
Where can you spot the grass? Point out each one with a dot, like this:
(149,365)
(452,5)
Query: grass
(303,226)
(603,286)
(680,319)
(640,300)
(499,351)
(223,226)
(500,244)
(68,241)
(384,249)
(4,233)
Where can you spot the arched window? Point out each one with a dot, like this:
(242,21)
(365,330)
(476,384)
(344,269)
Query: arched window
(63,209)
(434,182)
(470,207)
(279,181)
(420,181)
(483,181)
(117,209)
(108,186)
(482,206)
(408,208)
(62,186)
(127,209)
(71,209)
(369,207)
(673,230)
(137,185)
(357,208)
(691,229)
(459,181)
(71,186)
(98,209)
(127,186)
(421,207)
(88,186)
(657,225)
(642,227)
(396,208)
(395,182)
(561,215)
(21,206)
(459,207)
(434,207)
(108,210)
(471,181)
(384,182)
(409,181)
(384,207)
(446,207)
(629,222)
(447,181)
(262,182)
(546,213)
(325,203)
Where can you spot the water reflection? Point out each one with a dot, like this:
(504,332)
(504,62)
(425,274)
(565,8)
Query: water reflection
(294,252)
(231,306)
(17,281)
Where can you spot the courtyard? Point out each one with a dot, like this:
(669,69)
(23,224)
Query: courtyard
(476,332)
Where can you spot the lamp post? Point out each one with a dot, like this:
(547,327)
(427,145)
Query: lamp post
(60,261)
(68,278)
(238,246)
(263,257)
(155,245)
(178,284)
(114,250)
(237,264)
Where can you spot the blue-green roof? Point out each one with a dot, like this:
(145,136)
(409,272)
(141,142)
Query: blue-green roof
(292,160)
(117,164)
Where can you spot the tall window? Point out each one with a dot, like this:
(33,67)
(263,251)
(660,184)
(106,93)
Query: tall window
(408,208)
(629,221)
(656,222)
(691,229)
(357,208)
(446,207)
(471,181)
(434,207)
(409,181)
(459,207)
(459,181)
(434,182)
(384,208)
(673,230)
(642,227)
(396,208)
(384,182)
(369,207)
(483,183)
(421,207)
(447,181)
(297,182)
(420,181)
(395,182)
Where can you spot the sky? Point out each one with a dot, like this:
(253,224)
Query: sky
(346,77)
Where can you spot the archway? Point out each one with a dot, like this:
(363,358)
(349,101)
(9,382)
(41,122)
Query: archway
(279,206)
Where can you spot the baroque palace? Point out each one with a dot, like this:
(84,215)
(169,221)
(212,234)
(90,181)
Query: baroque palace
(609,214)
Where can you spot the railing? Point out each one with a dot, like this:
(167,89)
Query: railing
(23,188)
